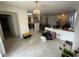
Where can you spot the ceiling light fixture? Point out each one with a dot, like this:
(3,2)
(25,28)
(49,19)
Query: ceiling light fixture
(36,11)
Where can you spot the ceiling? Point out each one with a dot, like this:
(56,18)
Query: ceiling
(46,7)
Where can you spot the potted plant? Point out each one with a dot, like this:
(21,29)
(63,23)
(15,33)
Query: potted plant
(68,52)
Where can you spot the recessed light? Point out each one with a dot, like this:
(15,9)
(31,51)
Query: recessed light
(62,14)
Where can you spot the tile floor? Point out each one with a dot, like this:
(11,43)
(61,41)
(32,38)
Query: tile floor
(33,47)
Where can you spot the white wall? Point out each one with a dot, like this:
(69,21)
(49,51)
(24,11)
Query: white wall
(43,19)
(11,25)
(76,39)
(15,24)
(52,20)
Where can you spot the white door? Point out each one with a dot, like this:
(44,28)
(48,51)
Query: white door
(1,32)
(2,49)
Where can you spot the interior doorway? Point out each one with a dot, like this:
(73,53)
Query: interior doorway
(30,23)
(5,24)
(7,31)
